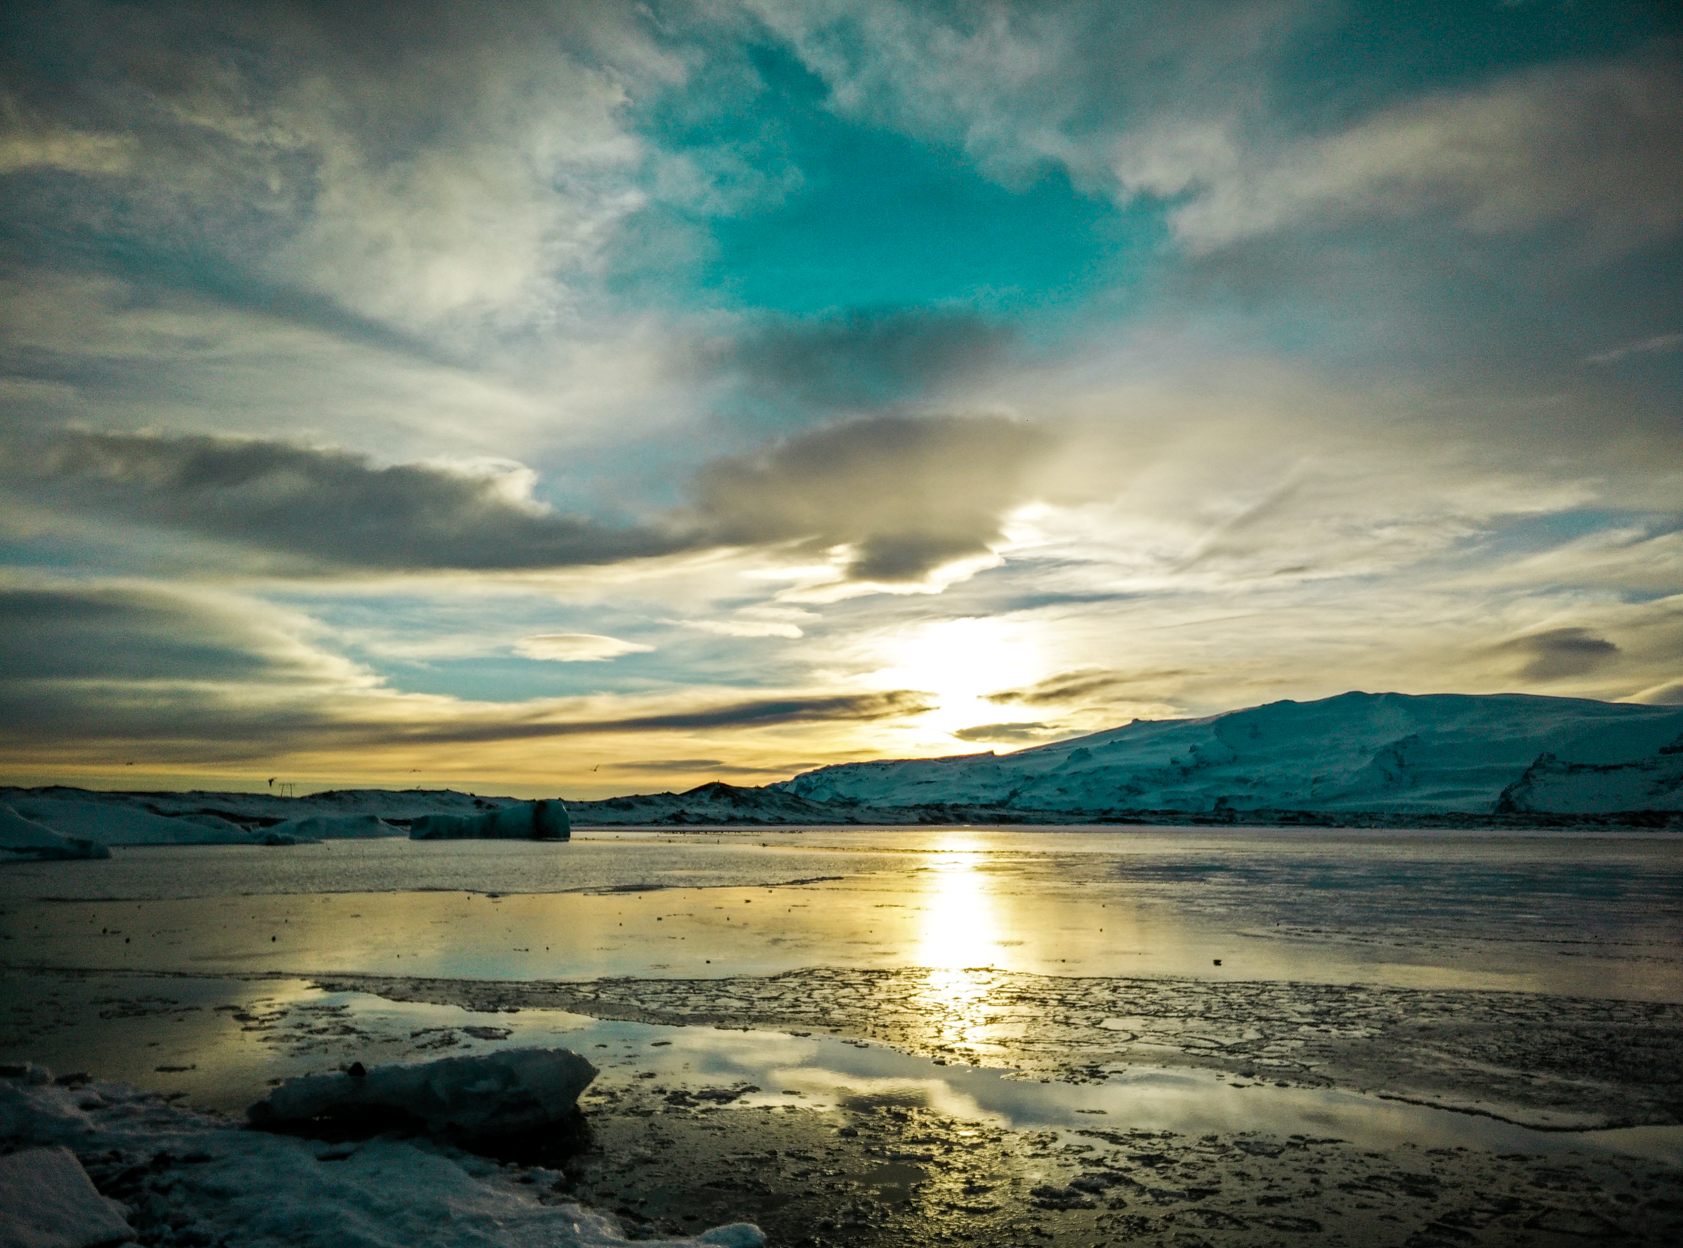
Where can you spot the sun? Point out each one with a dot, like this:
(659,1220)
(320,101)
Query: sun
(959,662)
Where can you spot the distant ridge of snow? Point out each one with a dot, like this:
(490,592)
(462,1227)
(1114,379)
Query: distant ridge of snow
(201,817)
(1379,752)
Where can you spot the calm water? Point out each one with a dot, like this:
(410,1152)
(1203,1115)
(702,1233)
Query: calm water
(1587,915)
(1570,913)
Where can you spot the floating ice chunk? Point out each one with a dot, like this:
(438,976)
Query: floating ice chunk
(529,821)
(736,1235)
(30,839)
(328,828)
(505,1093)
(48,1201)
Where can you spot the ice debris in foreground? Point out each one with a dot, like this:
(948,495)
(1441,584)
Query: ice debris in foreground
(529,821)
(48,1201)
(507,1093)
(205,1178)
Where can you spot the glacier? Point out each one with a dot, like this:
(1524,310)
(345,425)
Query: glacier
(1371,752)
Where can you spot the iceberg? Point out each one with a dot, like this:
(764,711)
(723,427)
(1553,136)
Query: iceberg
(508,1093)
(327,828)
(28,838)
(528,821)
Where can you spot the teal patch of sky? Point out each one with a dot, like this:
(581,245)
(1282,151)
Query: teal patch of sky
(1530,534)
(882,220)
(1382,52)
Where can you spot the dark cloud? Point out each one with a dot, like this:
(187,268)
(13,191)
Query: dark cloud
(1007,733)
(1559,653)
(172,674)
(668,764)
(662,766)
(331,507)
(861,707)
(1079,686)
(866,357)
(123,634)
(906,494)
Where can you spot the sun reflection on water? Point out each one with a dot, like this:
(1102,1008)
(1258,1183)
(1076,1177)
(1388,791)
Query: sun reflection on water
(957,939)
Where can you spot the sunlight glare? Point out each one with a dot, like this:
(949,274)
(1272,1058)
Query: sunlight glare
(960,662)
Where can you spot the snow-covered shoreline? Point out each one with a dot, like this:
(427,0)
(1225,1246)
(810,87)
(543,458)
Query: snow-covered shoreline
(196,1178)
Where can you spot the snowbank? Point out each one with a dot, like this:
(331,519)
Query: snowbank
(30,839)
(529,821)
(109,824)
(212,1181)
(48,1201)
(506,1093)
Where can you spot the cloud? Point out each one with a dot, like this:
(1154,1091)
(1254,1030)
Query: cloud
(1595,144)
(1006,733)
(1559,652)
(165,672)
(1023,87)
(425,167)
(32,142)
(1668,694)
(1085,684)
(576,647)
(1644,346)
(902,495)
(680,766)
(744,628)
(1064,687)
(331,508)
(751,713)
(865,357)
(91,671)
(141,634)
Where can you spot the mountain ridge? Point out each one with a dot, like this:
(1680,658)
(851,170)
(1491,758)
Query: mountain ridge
(1379,753)
(1353,760)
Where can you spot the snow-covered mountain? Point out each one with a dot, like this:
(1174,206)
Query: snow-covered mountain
(1358,751)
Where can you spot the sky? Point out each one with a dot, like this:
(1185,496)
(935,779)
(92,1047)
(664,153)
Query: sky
(600,397)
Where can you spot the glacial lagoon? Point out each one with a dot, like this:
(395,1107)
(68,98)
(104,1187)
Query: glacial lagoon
(1207,1015)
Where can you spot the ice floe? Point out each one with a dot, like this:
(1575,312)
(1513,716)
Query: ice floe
(201,1178)
(529,821)
(497,1094)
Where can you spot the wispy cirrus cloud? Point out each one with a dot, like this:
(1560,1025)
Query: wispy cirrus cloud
(1596,144)
(1642,346)
(577,647)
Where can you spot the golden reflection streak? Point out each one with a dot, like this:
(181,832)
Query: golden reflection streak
(956,941)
